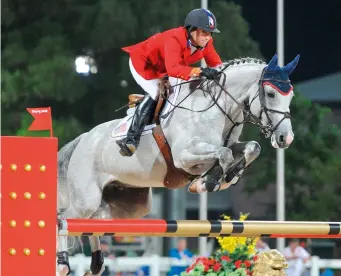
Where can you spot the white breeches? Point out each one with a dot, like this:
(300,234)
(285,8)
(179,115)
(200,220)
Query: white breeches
(149,86)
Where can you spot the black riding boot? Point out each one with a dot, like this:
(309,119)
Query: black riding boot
(144,112)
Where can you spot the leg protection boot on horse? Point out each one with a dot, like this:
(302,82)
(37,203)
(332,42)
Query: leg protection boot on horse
(236,170)
(63,259)
(249,151)
(144,112)
(97,261)
(209,182)
(212,183)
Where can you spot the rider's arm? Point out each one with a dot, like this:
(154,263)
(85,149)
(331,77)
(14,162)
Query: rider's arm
(211,56)
(173,61)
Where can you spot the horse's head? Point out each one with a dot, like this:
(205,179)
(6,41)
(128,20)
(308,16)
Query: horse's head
(275,94)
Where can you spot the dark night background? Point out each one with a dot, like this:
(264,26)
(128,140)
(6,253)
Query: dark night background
(312,29)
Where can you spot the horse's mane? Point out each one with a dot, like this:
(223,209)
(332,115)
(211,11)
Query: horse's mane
(233,63)
(239,61)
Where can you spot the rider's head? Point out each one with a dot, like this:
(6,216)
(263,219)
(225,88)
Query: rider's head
(200,23)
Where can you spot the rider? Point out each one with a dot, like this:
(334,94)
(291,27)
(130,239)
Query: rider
(169,54)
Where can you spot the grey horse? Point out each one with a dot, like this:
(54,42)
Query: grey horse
(202,129)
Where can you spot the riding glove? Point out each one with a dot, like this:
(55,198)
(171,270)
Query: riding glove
(209,73)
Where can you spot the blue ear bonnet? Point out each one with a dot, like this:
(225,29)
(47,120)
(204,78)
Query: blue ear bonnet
(278,74)
(274,72)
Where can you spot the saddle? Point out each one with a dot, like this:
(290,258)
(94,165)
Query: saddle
(164,93)
(175,178)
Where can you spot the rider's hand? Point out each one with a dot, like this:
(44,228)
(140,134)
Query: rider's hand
(209,73)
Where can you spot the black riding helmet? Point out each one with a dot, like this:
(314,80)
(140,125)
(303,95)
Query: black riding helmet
(203,19)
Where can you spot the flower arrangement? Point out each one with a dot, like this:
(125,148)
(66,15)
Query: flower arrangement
(236,257)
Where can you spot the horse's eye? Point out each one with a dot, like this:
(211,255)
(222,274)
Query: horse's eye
(271,95)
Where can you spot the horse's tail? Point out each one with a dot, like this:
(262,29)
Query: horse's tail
(64,156)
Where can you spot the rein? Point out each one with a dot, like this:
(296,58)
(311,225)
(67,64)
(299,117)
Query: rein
(267,130)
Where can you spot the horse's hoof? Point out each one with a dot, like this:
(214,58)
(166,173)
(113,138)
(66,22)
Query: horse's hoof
(63,263)
(99,273)
(97,261)
(234,183)
(63,270)
(195,186)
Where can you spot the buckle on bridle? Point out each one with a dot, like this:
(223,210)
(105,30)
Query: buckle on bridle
(267,131)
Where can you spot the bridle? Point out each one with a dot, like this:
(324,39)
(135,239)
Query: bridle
(267,130)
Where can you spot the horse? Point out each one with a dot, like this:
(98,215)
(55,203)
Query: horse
(201,128)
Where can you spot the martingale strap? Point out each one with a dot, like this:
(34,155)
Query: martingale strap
(175,178)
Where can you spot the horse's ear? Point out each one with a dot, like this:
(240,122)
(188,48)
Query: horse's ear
(273,62)
(290,67)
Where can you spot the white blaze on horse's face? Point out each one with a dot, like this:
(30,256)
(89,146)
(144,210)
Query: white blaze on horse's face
(276,94)
(283,135)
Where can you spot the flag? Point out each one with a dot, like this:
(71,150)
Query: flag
(42,118)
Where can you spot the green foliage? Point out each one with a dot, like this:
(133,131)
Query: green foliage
(41,41)
(312,164)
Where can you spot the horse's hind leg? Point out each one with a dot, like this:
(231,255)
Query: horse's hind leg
(97,259)
(83,204)
(124,203)
(63,256)
(63,264)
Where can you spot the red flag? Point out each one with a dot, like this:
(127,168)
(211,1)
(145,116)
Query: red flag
(42,116)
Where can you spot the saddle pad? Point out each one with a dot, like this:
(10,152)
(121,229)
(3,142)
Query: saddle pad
(120,131)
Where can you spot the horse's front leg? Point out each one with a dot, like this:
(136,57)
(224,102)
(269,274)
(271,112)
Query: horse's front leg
(198,158)
(245,153)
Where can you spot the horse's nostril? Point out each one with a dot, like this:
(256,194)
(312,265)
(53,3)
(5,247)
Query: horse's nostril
(281,139)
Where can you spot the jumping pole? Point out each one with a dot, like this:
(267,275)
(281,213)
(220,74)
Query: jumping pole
(199,228)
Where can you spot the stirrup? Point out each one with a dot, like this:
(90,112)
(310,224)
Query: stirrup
(126,148)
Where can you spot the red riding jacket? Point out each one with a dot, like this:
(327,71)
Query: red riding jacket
(169,53)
